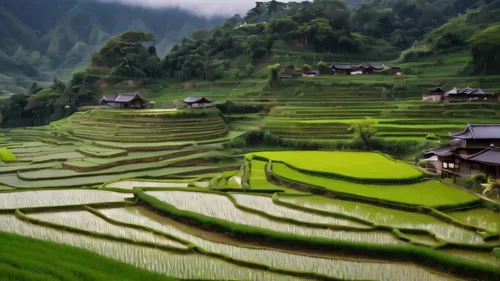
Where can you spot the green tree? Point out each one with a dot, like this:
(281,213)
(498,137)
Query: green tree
(364,130)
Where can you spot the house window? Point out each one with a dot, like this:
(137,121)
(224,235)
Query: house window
(450,165)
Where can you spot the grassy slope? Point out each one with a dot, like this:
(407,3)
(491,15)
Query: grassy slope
(40,260)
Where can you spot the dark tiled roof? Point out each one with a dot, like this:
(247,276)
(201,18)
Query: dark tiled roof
(490,155)
(490,131)
(377,66)
(441,151)
(436,90)
(122,98)
(196,100)
(341,66)
(312,72)
(465,91)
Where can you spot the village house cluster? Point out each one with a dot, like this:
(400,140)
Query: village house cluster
(290,71)
(459,95)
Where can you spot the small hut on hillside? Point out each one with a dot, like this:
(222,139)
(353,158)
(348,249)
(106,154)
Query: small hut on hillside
(125,100)
(434,94)
(198,102)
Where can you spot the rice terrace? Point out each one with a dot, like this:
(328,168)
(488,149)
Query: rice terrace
(350,140)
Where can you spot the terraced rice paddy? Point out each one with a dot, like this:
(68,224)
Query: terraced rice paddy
(265,204)
(55,198)
(385,216)
(352,165)
(161,190)
(411,194)
(185,266)
(480,217)
(85,220)
(329,267)
(221,207)
(129,185)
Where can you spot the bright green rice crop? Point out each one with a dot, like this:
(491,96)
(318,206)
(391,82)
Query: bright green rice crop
(413,194)
(192,266)
(358,165)
(218,206)
(480,217)
(53,198)
(258,179)
(479,257)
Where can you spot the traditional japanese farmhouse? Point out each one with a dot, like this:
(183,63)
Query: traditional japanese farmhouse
(311,73)
(198,102)
(471,151)
(396,70)
(468,94)
(434,94)
(338,68)
(124,100)
(356,68)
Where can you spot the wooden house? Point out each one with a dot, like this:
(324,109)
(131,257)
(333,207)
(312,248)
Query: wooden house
(396,70)
(198,102)
(338,68)
(486,162)
(468,94)
(311,73)
(434,94)
(124,100)
(373,68)
(462,154)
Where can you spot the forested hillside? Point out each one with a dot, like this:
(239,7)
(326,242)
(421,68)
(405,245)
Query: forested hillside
(39,44)
(272,35)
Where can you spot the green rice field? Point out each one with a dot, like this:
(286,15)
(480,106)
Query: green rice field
(166,195)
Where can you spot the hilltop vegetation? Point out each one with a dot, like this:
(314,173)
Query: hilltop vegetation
(286,36)
(40,43)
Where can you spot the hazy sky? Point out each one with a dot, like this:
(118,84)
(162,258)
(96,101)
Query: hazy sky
(205,7)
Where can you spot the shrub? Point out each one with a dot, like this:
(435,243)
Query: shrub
(7,156)
(229,107)
(431,136)
(496,252)
(236,143)
(480,178)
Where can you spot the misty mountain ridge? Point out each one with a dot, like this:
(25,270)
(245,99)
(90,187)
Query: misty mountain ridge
(41,41)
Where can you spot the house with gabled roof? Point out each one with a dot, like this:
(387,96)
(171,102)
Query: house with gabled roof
(468,150)
(198,102)
(434,94)
(486,162)
(125,100)
(468,94)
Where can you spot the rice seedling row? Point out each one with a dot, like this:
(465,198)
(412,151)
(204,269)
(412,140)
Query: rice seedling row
(85,220)
(340,268)
(265,204)
(218,206)
(191,266)
(54,198)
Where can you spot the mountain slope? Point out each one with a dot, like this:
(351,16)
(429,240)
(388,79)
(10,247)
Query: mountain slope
(40,41)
